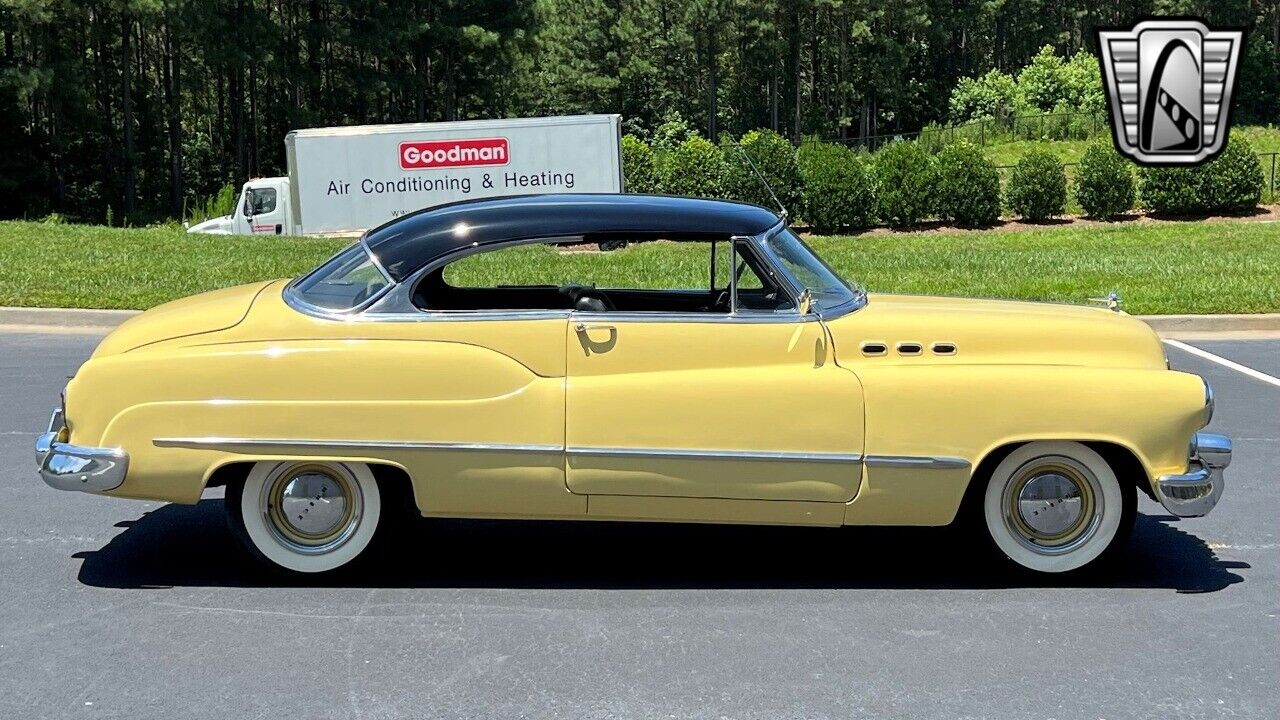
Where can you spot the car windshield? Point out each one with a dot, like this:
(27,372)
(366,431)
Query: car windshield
(829,290)
(344,282)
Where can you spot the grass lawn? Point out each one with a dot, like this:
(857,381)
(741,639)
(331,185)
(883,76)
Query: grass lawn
(1159,268)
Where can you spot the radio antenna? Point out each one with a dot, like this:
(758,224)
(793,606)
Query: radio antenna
(782,210)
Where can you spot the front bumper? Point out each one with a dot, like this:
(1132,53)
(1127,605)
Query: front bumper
(1196,492)
(76,467)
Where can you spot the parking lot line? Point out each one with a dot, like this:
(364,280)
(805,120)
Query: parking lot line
(1245,370)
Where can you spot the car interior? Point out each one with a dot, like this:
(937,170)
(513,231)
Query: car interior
(757,288)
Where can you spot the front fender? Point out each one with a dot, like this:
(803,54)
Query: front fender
(966,412)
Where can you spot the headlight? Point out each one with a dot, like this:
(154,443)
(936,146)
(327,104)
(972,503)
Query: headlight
(1208,401)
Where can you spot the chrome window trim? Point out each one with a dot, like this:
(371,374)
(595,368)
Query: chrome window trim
(857,302)
(741,318)
(394,302)
(293,298)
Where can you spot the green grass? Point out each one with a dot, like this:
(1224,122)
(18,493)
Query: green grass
(83,266)
(1159,268)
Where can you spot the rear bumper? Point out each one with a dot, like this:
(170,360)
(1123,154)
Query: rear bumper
(1196,492)
(78,467)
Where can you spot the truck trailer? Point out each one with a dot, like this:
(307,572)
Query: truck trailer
(344,180)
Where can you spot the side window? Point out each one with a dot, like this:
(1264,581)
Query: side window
(650,276)
(260,201)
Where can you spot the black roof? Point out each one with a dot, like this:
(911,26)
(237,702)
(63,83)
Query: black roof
(408,243)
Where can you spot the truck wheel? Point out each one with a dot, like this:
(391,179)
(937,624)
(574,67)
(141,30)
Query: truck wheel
(305,516)
(1055,507)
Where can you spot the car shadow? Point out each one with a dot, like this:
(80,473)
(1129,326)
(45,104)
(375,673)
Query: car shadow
(190,546)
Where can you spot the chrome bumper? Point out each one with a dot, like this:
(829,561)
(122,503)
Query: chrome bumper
(1195,492)
(75,467)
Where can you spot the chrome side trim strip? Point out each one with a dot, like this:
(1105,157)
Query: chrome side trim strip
(902,461)
(916,461)
(205,443)
(714,454)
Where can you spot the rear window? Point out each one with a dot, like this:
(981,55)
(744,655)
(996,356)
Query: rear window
(344,282)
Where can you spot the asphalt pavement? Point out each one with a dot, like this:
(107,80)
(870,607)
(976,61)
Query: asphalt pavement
(114,608)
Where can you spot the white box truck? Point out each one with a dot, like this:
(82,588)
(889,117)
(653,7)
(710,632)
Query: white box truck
(348,179)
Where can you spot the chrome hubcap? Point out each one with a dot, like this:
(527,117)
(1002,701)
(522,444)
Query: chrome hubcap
(1053,505)
(1050,504)
(312,508)
(313,503)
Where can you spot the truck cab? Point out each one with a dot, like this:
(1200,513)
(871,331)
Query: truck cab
(263,209)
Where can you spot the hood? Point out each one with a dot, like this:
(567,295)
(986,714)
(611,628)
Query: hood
(999,332)
(195,315)
(213,226)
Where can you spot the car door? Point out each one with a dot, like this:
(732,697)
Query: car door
(744,405)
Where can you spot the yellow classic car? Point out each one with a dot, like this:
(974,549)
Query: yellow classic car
(771,392)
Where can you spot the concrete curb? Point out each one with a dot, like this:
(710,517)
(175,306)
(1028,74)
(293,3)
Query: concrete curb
(64,317)
(107,319)
(1261,322)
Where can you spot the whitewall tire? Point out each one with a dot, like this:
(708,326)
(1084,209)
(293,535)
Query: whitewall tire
(306,516)
(1055,507)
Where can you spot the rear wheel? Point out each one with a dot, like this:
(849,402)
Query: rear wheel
(305,516)
(1057,506)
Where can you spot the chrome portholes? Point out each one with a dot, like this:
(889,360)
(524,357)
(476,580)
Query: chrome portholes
(1052,505)
(312,508)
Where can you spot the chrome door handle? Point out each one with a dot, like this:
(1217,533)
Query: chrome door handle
(585,328)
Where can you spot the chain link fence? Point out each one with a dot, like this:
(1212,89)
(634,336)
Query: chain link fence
(1045,126)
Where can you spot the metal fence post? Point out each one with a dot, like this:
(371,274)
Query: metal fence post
(1272,177)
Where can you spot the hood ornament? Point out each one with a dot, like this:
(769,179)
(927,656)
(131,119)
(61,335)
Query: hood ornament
(1110,302)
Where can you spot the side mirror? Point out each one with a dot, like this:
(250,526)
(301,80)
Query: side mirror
(806,301)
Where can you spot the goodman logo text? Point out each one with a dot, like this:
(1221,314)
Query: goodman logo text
(472,152)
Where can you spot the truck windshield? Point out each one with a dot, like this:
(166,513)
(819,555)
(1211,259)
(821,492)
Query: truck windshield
(344,282)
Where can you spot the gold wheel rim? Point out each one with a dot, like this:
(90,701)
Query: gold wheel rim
(1083,499)
(281,491)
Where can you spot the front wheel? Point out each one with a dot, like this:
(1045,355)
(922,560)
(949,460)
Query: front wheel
(1055,507)
(305,516)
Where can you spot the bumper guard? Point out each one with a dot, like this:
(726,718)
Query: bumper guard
(1195,492)
(76,467)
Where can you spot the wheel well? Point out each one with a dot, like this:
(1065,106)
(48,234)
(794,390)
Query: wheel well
(1123,462)
(392,480)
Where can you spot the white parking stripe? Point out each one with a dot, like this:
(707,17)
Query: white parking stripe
(1255,374)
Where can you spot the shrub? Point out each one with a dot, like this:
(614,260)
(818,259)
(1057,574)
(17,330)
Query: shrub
(774,157)
(990,96)
(838,189)
(1082,83)
(695,168)
(1038,186)
(673,131)
(1172,191)
(1230,183)
(1104,184)
(906,180)
(218,204)
(1041,83)
(638,168)
(968,185)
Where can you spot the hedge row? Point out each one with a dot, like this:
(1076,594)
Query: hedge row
(832,187)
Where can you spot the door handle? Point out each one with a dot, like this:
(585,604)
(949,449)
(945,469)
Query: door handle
(585,328)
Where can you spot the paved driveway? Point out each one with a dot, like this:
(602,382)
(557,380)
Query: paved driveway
(113,608)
